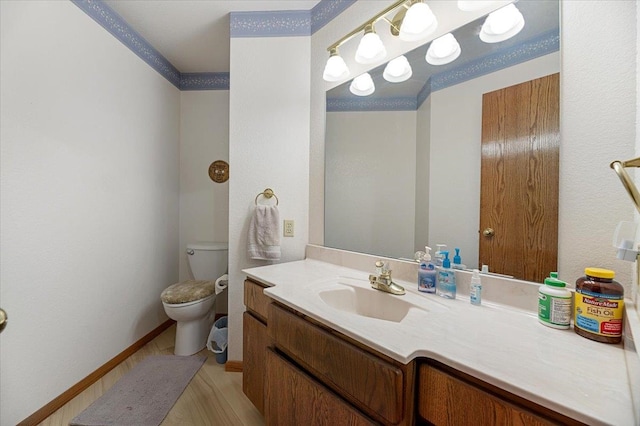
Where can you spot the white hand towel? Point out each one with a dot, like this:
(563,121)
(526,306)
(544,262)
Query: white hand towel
(264,233)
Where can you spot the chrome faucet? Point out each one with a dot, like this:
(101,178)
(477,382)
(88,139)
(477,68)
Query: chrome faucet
(383,281)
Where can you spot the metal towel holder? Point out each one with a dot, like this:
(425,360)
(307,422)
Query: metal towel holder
(267,193)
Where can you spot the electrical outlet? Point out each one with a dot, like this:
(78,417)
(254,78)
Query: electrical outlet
(288,228)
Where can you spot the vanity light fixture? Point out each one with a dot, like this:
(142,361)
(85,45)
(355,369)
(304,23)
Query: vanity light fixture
(502,24)
(371,49)
(397,70)
(418,22)
(413,21)
(336,68)
(443,50)
(362,85)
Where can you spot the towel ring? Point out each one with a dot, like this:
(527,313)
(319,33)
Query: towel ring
(267,193)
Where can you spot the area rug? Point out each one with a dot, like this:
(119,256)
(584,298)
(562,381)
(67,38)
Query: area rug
(144,395)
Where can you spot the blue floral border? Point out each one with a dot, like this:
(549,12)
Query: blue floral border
(371,104)
(280,23)
(243,24)
(112,22)
(544,44)
(204,81)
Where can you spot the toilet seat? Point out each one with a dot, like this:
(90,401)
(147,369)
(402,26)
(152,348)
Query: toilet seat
(187,291)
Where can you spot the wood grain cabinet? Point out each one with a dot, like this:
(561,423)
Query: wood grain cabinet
(297,371)
(377,387)
(255,342)
(295,398)
(448,398)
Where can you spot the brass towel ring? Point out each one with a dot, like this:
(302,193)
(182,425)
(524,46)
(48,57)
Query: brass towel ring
(267,193)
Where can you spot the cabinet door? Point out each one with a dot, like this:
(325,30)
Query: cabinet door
(446,400)
(375,386)
(255,342)
(293,398)
(255,300)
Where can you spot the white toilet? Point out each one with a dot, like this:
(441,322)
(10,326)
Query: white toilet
(190,303)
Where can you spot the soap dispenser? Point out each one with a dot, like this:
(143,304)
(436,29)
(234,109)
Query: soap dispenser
(446,286)
(427,273)
(439,254)
(457,261)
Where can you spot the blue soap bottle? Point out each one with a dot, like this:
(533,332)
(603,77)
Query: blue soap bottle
(446,285)
(457,261)
(427,273)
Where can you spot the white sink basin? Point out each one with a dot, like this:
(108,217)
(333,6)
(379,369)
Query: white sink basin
(360,299)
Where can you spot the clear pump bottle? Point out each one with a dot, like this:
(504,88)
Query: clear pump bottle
(446,286)
(475,291)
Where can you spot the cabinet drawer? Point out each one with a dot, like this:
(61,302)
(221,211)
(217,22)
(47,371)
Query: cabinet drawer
(255,343)
(293,398)
(447,400)
(255,300)
(372,384)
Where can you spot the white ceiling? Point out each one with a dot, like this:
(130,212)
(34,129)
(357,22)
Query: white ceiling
(193,34)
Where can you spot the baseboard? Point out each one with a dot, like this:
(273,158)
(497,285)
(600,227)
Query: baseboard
(40,415)
(233,366)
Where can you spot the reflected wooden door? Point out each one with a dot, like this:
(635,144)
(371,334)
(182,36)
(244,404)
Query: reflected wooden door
(519,179)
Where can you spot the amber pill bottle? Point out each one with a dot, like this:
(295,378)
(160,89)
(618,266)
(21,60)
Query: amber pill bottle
(598,306)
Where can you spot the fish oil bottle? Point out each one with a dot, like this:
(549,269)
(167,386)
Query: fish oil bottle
(599,304)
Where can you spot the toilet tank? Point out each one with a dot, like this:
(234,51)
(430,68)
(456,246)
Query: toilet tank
(208,260)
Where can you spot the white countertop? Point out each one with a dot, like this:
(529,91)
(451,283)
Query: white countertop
(506,347)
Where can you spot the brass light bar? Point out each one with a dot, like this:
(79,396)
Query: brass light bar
(376,18)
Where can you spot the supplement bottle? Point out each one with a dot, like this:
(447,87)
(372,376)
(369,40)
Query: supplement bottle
(599,303)
(554,303)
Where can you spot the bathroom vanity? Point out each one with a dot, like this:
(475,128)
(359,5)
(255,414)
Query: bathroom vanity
(322,347)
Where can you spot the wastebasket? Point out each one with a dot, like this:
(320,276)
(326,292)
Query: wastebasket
(218,340)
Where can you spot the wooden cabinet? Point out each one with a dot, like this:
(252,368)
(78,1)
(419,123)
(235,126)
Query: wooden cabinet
(295,398)
(446,398)
(297,371)
(376,386)
(255,341)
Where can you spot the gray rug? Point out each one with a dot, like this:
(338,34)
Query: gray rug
(144,395)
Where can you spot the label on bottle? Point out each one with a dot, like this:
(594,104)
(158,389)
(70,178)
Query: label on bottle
(427,278)
(554,309)
(446,283)
(599,315)
(476,294)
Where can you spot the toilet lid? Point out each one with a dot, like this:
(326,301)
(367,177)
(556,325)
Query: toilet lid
(188,291)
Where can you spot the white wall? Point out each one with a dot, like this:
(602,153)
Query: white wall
(204,204)
(268,148)
(423,167)
(456,135)
(597,125)
(89,195)
(370,187)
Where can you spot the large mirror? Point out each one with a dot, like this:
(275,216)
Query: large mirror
(403,165)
